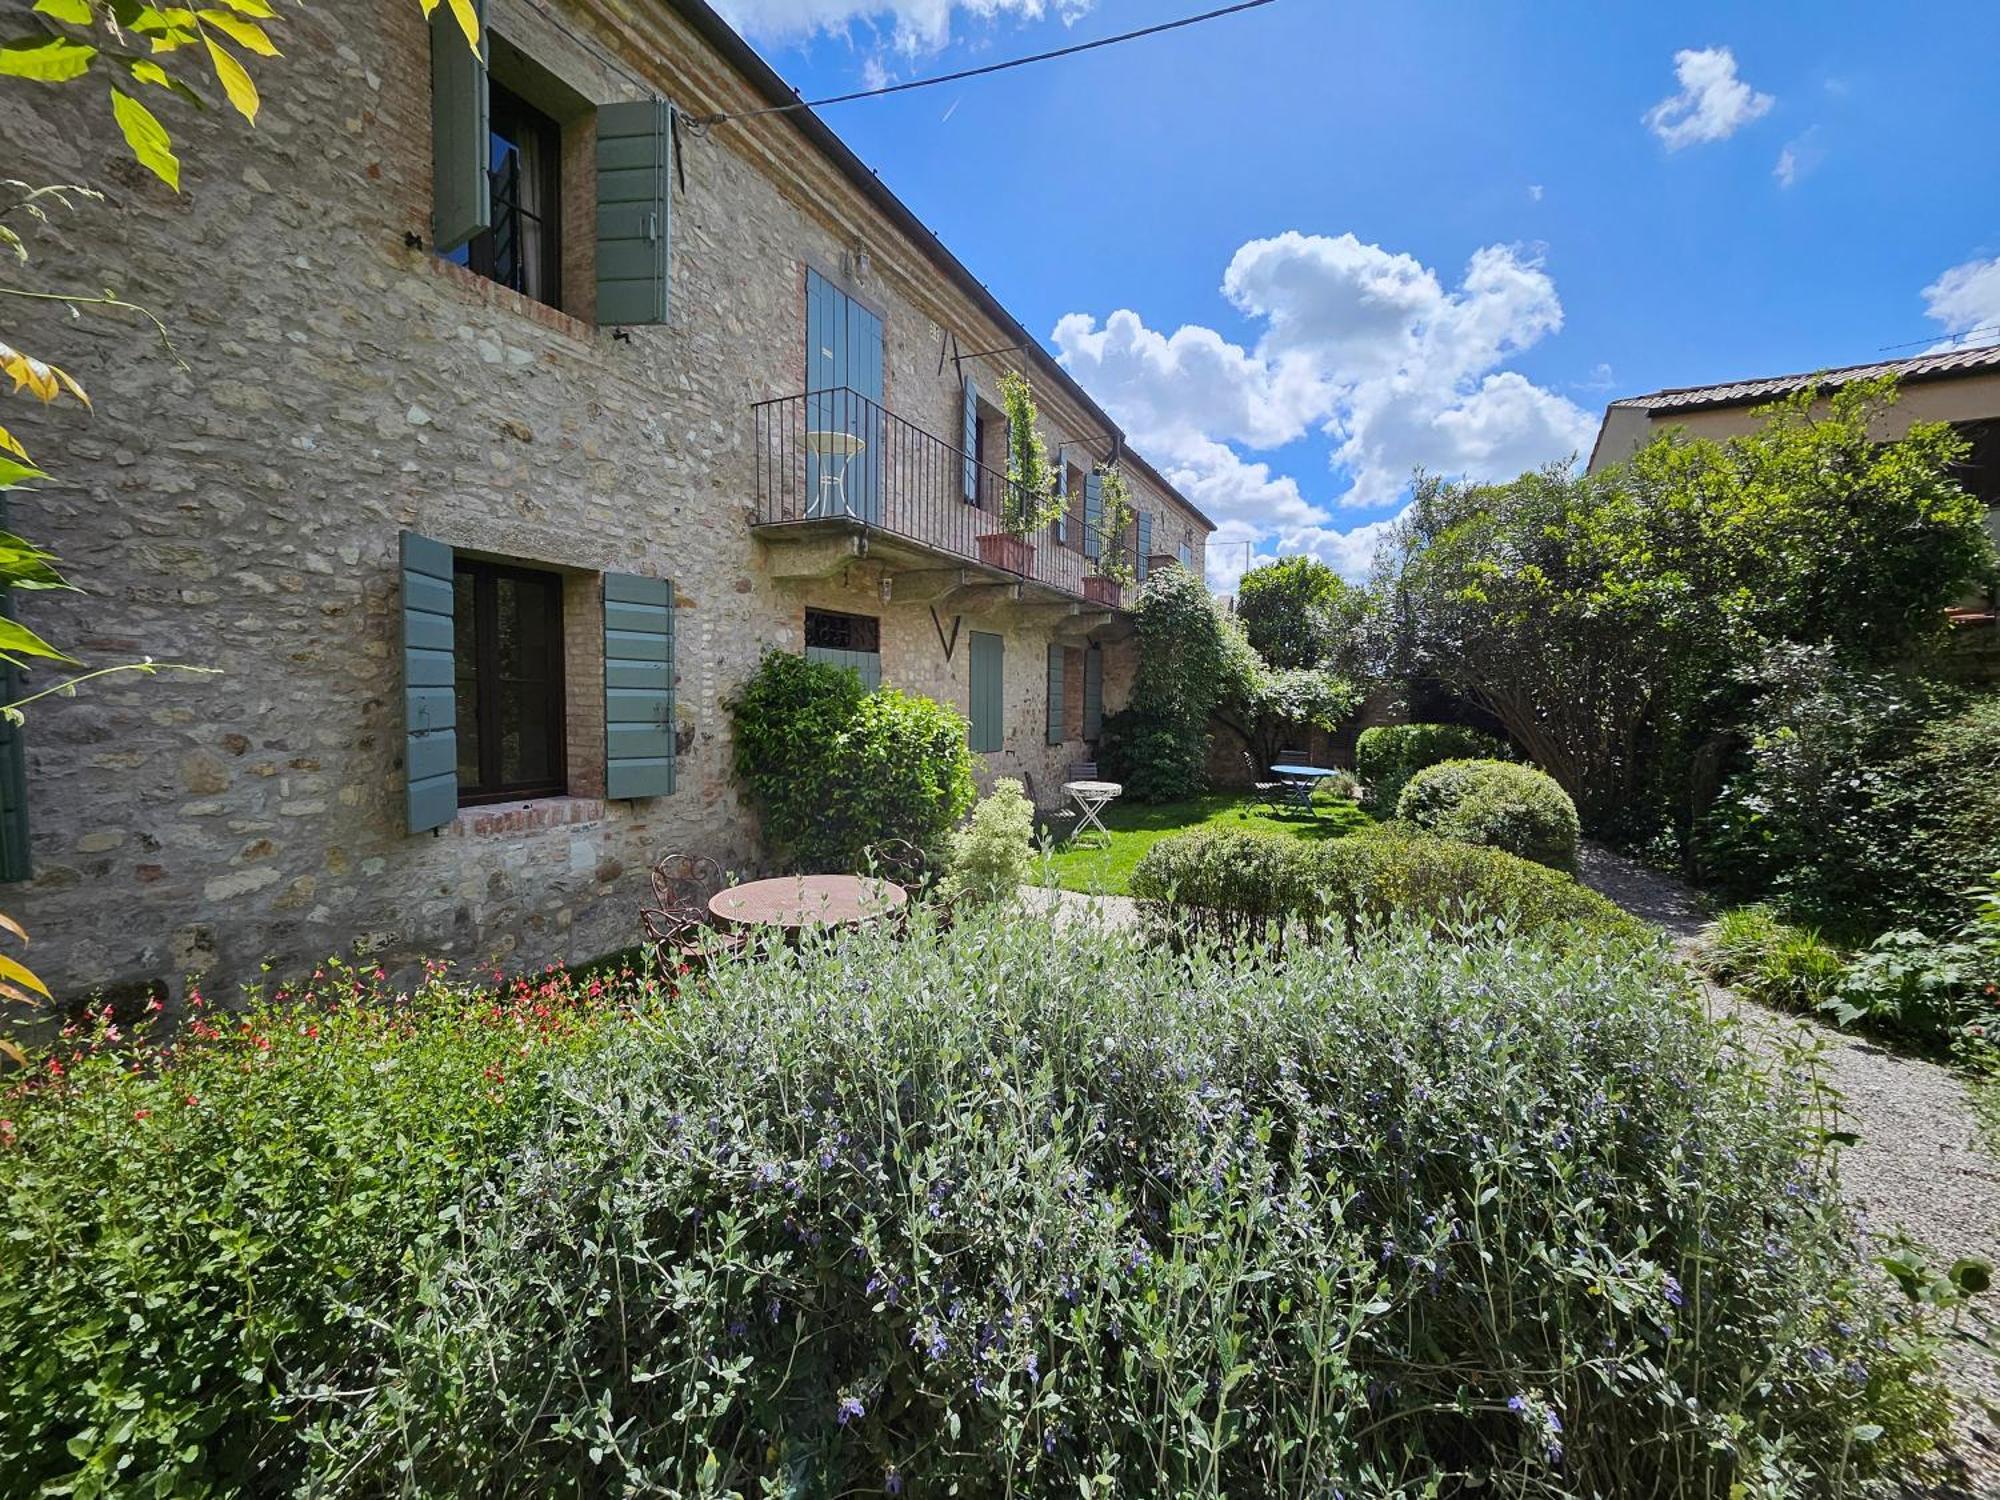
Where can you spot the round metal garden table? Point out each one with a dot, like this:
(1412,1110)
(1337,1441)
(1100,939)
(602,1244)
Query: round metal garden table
(793,902)
(1300,783)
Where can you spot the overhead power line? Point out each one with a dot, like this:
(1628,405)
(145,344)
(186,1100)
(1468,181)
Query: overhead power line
(999,67)
(1934,338)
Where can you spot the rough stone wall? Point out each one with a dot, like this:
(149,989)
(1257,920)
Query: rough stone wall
(341,386)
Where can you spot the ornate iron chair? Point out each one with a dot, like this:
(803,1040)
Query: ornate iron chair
(676,923)
(1273,794)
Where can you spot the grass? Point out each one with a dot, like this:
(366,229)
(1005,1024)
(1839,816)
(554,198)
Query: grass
(1098,869)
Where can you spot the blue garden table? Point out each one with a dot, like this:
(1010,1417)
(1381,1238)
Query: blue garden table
(1301,781)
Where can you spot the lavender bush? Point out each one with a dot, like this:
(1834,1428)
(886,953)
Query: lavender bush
(988,1214)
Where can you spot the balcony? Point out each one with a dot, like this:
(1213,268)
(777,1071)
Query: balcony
(839,478)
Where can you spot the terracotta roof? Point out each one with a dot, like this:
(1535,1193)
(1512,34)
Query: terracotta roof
(1939,366)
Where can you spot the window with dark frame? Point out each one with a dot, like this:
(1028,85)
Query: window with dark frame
(508,679)
(523,249)
(838,632)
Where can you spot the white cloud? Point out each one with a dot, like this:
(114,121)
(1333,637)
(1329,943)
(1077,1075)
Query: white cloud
(1361,347)
(915,25)
(1534,192)
(1966,300)
(1713,103)
(1800,157)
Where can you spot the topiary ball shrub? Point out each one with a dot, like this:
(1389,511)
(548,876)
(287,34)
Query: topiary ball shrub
(834,769)
(1390,754)
(1232,885)
(1497,803)
(991,855)
(1000,1214)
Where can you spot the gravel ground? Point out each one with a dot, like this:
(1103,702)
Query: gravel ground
(1916,1166)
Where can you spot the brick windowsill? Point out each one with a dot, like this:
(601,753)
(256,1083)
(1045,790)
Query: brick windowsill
(499,818)
(492,294)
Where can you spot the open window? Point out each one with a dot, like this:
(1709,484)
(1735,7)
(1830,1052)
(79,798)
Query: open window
(503,125)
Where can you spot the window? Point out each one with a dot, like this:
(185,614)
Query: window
(522,250)
(507,681)
(846,641)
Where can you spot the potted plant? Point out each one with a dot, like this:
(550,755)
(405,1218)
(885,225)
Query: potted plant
(1031,501)
(1114,518)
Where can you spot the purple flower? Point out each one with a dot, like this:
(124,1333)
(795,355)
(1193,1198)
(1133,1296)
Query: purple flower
(893,1482)
(849,1410)
(1673,1291)
(1517,1403)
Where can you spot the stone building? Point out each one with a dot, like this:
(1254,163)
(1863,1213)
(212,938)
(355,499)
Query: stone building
(479,539)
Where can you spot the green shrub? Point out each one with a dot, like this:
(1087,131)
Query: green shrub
(991,856)
(1235,884)
(1938,992)
(1944,796)
(1767,959)
(1497,803)
(1000,1215)
(194,1254)
(834,769)
(1390,754)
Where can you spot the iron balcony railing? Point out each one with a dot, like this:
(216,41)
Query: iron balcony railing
(837,455)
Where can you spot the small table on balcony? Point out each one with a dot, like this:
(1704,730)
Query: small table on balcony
(833,450)
(1301,782)
(1091,798)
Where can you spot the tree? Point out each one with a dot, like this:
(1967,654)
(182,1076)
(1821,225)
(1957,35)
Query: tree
(1298,612)
(1604,619)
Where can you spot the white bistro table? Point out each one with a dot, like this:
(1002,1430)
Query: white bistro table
(834,451)
(1091,798)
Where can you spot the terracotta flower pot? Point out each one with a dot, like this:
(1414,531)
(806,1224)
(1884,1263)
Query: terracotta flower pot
(1002,549)
(1105,591)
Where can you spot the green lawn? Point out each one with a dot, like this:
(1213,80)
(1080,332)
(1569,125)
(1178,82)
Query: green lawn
(1137,826)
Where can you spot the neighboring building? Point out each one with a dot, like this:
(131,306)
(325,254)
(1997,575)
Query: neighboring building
(481,542)
(1959,386)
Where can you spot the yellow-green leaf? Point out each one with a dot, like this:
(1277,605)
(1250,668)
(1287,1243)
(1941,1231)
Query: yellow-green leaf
(73,12)
(158,19)
(17,641)
(244,33)
(255,8)
(144,70)
(46,59)
(13,445)
(235,82)
(468,21)
(13,475)
(15,972)
(147,137)
(13,1051)
(8,924)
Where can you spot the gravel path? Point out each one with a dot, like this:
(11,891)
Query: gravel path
(1916,1166)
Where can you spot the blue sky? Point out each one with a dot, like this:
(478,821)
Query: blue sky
(1298,251)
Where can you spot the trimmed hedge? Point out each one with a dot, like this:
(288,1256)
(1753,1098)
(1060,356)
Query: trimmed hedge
(1236,884)
(1494,802)
(1390,754)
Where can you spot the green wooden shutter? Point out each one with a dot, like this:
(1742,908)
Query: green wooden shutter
(461,189)
(1055,727)
(638,686)
(1093,515)
(971,440)
(984,698)
(868,664)
(430,711)
(1145,566)
(1062,491)
(1093,692)
(634,201)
